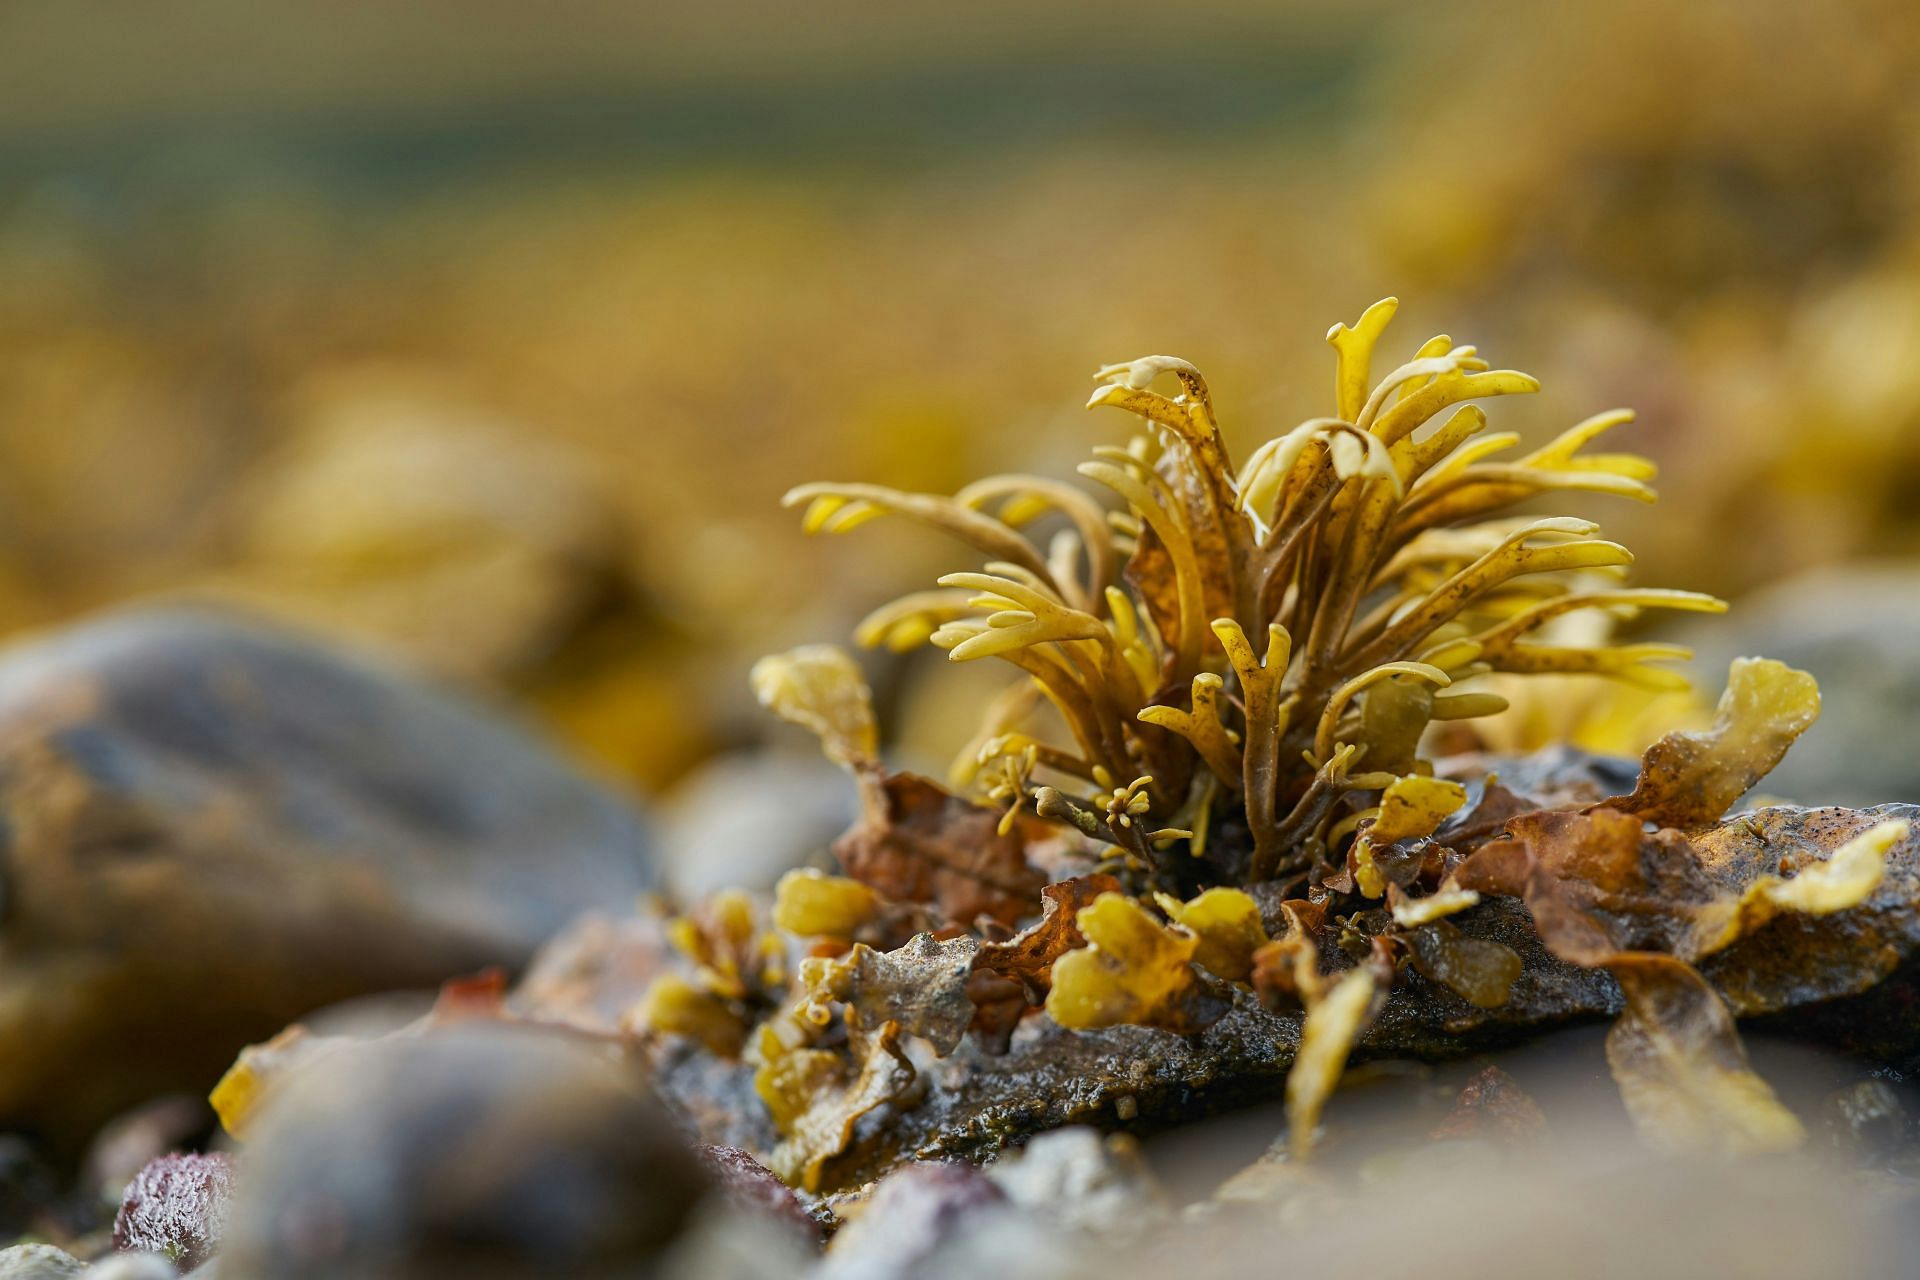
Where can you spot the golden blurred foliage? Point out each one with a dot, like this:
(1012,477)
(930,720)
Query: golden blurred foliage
(495,345)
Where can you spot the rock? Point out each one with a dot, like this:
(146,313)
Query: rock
(751,1187)
(138,1266)
(916,1214)
(1082,1179)
(741,821)
(209,827)
(38,1262)
(128,1143)
(29,1189)
(1867,1121)
(483,1150)
(177,1206)
(1849,980)
(1492,1107)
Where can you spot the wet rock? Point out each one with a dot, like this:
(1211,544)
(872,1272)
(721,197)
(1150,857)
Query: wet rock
(38,1262)
(485,1150)
(209,827)
(177,1206)
(593,974)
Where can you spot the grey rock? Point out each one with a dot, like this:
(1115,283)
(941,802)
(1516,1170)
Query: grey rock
(209,827)
(135,1266)
(919,1217)
(741,821)
(1080,1178)
(38,1262)
(484,1150)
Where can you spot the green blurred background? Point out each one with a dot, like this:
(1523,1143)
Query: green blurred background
(490,334)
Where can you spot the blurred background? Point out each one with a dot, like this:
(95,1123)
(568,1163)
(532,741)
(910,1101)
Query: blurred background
(490,334)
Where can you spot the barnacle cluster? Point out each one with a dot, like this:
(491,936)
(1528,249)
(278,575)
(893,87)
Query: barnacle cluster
(1230,807)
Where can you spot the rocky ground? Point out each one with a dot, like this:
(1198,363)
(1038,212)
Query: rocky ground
(214,828)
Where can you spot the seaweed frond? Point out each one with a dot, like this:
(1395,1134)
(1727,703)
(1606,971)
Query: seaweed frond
(1281,633)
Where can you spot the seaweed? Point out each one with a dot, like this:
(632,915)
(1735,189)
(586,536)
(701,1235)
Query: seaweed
(1210,785)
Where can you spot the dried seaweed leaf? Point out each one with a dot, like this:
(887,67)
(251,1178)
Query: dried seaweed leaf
(816,1097)
(1409,913)
(1681,1068)
(1227,922)
(1688,779)
(1482,972)
(1410,807)
(921,986)
(1029,955)
(1133,970)
(918,842)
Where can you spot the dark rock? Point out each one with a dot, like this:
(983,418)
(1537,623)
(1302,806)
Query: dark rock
(28,1187)
(209,827)
(177,1206)
(484,1150)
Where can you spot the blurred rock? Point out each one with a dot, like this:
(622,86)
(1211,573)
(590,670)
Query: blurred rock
(137,1266)
(487,1150)
(28,1188)
(129,1143)
(1082,1179)
(212,827)
(742,821)
(750,1186)
(916,1214)
(1867,1121)
(1492,1106)
(593,973)
(38,1262)
(1855,629)
(177,1206)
